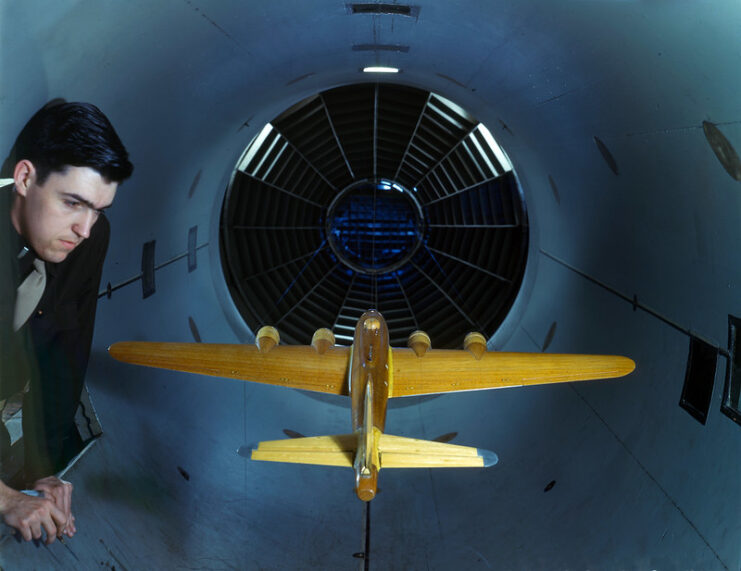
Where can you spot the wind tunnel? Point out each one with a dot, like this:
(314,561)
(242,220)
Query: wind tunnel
(620,122)
(374,195)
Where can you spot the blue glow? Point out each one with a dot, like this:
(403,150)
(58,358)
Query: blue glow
(374,230)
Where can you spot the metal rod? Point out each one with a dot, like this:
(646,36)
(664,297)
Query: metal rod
(406,299)
(336,137)
(344,301)
(298,275)
(464,189)
(306,160)
(137,277)
(275,161)
(469,264)
(374,278)
(308,293)
(445,293)
(473,225)
(284,190)
(446,155)
(474,161)
(282,228)
(375,134)
(414,134)
(637,305)
(282,265)
(366,559)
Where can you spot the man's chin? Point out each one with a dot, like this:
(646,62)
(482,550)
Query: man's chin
(55,256)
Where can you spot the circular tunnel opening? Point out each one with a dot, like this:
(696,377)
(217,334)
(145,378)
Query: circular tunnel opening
(378,196)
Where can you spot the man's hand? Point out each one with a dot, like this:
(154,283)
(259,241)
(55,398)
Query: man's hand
(31,515)
(59,492)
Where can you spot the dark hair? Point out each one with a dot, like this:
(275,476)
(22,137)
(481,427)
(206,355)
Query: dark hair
(63,134)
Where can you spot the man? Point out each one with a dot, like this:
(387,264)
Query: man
(66,166)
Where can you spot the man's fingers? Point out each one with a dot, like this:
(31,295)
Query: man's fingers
(70,530)
(35,529)
(63,500)
(26,532)
(60,491)
(67,499)
(59,517)
(47,518)
(34,516)
(50,529)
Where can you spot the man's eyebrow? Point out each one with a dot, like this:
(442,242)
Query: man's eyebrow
(85,201)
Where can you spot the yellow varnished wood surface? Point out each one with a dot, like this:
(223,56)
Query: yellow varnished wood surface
(295,366)
(336,450)
(401,452)
(441,371)
(405,460)
(391,443)
(369,365)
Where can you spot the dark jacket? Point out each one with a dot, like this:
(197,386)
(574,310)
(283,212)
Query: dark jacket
(17,364)
(60,333)
(15,367)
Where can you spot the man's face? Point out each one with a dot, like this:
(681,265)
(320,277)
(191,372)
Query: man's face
(55,217)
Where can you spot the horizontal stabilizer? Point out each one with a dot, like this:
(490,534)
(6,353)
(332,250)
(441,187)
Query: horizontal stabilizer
(337,450)
(401,452)
(442,370)
(295,366)
(394,452)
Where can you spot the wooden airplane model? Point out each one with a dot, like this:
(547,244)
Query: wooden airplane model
(370,372)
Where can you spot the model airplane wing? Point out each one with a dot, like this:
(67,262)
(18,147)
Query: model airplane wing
(442,371)
(438,371)
(295,366)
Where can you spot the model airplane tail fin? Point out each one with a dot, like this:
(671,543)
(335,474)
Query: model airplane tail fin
(393,452)
(402,452)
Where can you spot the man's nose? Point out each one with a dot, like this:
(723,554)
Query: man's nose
(84,223)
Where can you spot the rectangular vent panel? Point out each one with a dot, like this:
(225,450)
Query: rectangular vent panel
(148,287)
(388,9)
(699,379)
(192,247)
(732,393)
(380,48)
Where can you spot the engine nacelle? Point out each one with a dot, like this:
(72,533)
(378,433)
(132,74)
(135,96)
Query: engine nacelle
(322,340)
(475,342)
(267,337)
(419,342)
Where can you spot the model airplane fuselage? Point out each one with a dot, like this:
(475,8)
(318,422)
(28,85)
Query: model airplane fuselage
(370,372)
(370,377)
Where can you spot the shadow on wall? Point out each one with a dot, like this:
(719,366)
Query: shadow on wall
(23,97)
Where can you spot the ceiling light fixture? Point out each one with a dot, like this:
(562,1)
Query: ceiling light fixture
(380,69)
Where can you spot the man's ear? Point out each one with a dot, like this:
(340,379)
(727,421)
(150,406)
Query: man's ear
(24,175)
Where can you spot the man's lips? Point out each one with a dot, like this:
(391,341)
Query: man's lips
(68,244)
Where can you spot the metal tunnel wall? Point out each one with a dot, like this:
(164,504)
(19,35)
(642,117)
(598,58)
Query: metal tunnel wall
(633,250)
